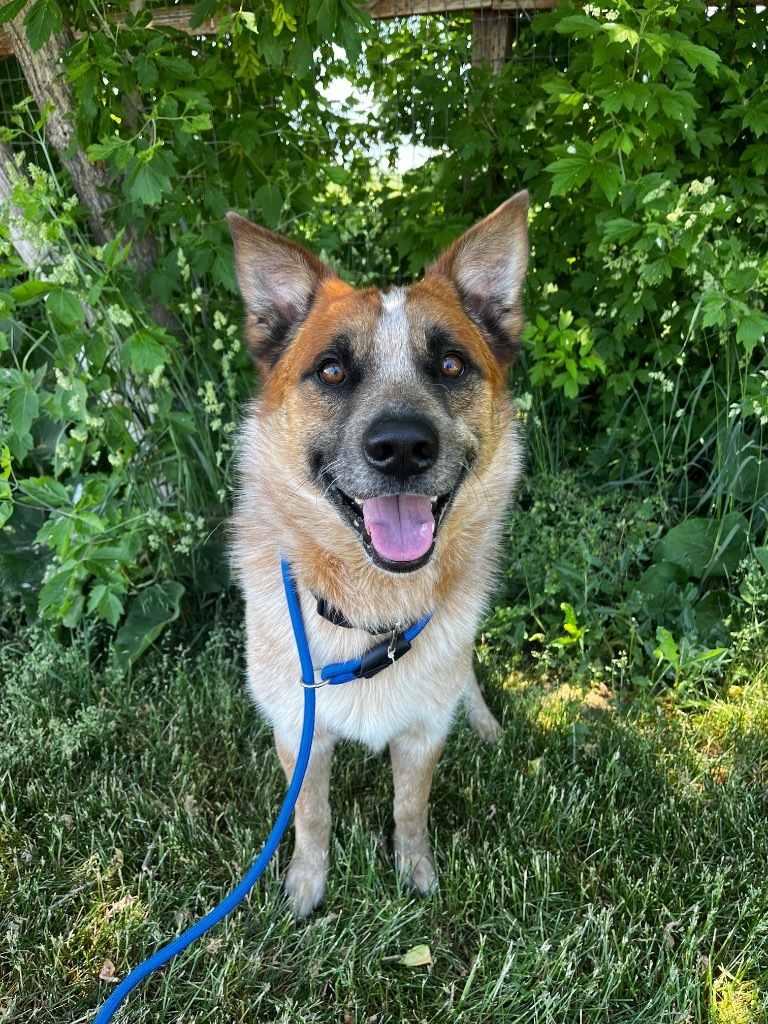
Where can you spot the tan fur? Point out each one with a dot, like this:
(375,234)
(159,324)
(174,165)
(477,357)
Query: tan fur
(281,509)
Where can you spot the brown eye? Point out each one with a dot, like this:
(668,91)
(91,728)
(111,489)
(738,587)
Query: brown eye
(452,365)
(331,372)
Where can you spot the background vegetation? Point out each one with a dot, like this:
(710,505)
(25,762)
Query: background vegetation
(626,649)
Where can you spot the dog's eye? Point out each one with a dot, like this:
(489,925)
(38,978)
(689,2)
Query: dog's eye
(452,365)
(330,371)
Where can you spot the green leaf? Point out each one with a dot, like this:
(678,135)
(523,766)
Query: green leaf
(6,507)
(609,178)
(657,578)
(711,611)
(690,545)
(58,591)
(620,230)
(42,19)
(619,33)
(667,649)
(713,309)
(752,329)
(761,554)
(569,173)
(105,149)
(697,56)
(112,255)
(148,185)
(29,290)
(177,67)
(22,409)
(146,71)
(705,547)
(302,54)
(203,9)
(148,348)
(46,491)
(10,10)
(418,956)
(731,544)
(149,614)
(268,201)
(65,308)
(196,123)
(105,602)
(579,25)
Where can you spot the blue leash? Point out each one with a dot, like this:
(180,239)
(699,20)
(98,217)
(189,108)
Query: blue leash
(370,664)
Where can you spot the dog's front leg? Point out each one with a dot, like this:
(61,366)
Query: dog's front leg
(479,715)
(413,764)
(305,880)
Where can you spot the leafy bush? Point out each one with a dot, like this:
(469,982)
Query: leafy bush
(117,437)
(642,144)
(641,140)
(600,585)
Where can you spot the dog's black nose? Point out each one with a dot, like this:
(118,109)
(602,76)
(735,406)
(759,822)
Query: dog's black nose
(401,447)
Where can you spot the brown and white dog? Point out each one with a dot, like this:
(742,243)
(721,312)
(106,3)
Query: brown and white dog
(379,458)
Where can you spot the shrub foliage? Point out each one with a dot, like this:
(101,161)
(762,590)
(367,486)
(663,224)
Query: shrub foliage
(642,139)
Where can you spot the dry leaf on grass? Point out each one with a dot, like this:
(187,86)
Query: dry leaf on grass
(107,973)
(419,956)
(122,904)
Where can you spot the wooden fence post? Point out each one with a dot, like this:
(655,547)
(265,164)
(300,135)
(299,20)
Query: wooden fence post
(491,39)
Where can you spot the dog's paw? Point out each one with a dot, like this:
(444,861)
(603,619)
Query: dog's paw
(416,865)
(305,885)
(484,725)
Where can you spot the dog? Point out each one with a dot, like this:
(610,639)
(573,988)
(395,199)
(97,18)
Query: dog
(379,459)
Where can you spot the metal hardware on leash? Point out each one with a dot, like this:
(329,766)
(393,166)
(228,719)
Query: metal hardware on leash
(313,686)
(392,649)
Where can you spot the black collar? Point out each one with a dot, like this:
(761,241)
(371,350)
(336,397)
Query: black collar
(327,611)
(338,618)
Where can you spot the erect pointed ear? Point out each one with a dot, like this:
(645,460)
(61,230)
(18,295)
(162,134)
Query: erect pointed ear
(278,280)
(487,265)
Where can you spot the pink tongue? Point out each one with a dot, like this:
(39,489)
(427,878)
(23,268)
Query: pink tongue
(401,526)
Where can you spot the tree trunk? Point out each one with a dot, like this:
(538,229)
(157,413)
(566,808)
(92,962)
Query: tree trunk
(43,72)
(31,254)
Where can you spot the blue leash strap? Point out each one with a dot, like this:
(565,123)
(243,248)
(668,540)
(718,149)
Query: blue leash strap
(372,662)
(163,955)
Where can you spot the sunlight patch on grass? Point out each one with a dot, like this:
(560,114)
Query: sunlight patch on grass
(561,707)
(736,1000)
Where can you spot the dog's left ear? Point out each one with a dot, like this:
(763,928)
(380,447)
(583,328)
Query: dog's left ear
(487,265)
(278,280)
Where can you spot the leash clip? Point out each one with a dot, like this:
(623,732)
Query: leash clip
(392,649)
(314,685)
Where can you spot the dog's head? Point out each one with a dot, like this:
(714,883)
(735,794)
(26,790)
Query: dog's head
(388,397)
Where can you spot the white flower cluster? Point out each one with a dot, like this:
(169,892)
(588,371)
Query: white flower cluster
(666,384)
(119,316)
(67,272)
(600,12)
(700,188)
(185,529)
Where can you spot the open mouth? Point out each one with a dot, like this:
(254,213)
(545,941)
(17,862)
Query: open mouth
(398,531)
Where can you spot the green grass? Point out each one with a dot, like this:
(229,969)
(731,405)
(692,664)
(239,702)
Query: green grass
(606,862)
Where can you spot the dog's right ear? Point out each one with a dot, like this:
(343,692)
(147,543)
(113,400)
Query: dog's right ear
(278,280)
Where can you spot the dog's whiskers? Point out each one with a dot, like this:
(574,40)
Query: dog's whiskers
(472,477)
